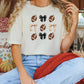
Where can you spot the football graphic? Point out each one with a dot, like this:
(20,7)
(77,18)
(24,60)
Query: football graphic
(42,27)
(34,36)
(34,18)
(51,36)
(51,18)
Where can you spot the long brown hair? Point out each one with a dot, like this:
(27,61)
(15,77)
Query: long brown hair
(57,3)
(4,7)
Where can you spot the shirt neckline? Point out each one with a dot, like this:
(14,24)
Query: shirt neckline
(40,7)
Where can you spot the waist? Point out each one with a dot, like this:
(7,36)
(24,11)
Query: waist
(36,57)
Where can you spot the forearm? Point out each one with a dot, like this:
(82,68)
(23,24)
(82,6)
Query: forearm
(68,40)
(16,54)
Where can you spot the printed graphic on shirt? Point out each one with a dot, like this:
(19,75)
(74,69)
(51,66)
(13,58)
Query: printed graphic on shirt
(51,36)
(42,36)
(52,27)
(33,27)
(42,27)
(34,18)
(51,18)
(42,18)
(34,36)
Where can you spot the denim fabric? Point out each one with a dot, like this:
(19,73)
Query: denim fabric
(68,72)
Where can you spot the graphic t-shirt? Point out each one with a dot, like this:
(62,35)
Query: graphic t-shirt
(39,30)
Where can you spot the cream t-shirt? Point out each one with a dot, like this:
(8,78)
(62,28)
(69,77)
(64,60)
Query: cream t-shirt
(39,30)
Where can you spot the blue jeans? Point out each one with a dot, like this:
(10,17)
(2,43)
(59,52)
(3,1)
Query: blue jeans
(68,72)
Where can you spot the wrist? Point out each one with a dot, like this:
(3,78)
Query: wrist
(74,27)
(21,68)
(74,24)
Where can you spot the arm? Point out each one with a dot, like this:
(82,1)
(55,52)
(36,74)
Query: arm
(16,54)
(69,38)
(15,37)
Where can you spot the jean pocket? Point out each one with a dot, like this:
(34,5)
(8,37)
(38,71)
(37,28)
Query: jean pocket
(23,57)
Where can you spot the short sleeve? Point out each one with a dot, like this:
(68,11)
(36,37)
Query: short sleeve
(64,31)
(15,33)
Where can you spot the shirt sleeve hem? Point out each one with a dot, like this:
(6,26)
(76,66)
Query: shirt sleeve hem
(13,42)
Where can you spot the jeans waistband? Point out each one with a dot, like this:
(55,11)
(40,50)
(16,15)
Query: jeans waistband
(37,56)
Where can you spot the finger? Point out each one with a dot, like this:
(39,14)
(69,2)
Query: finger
(75,10)
(70,11)
(71,5)
(71,8)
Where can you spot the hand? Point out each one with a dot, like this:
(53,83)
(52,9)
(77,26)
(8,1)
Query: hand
(25,78)
(71,8)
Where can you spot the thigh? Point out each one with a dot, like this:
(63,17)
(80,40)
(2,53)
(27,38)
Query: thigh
(9,76)
(69,72)
(12,77)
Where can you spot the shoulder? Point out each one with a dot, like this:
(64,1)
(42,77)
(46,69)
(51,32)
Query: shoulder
(27,5)
(25,8)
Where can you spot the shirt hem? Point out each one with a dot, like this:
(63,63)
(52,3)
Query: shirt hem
(40,54)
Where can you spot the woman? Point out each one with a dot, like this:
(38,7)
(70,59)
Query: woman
(38,30)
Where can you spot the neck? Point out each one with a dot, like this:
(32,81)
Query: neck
(41,3)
